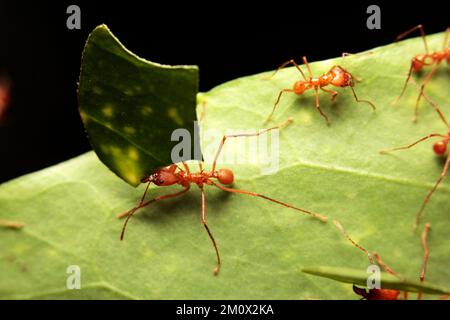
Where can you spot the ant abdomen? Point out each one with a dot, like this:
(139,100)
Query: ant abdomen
(340,77)
(225,176)
(440,147)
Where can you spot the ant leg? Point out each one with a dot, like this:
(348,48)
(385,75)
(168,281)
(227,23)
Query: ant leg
(131,212)
(318,107)
(432,135)
(383,265)
(406,83)
(366,101)
(435,107)
(254,194)
(126,213)
(347,54)
(342,230)
(186,167)
(292,61)
(305,61)
(333,93)
(217,268)
(427,198)
(255,134)
(276,103)
(11,224)
(425,82)
(422,34)
(426,254)
(388,269)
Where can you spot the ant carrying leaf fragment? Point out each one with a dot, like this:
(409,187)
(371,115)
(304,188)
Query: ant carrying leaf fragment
(174,174)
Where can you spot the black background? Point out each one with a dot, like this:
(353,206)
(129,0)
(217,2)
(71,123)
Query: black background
(225,39)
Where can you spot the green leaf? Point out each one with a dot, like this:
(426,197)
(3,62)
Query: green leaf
(131,106)
(70,209)
(388,281)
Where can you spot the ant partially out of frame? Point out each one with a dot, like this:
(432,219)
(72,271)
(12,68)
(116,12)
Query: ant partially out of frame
(419,61)
(387,294)
(173,174)
(439,148)
(336,76)
(11,224)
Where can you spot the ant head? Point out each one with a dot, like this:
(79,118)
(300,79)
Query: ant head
(341,77)
(162,177)
(360,291)
(225,176)
(299,87)
(440,147)
(418,62)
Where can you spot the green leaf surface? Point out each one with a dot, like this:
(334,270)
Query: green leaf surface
(387,281)
(70,209)
(131,106)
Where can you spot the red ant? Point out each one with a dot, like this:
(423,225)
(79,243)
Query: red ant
(336,76)
(427,59)
(11,224)
(387,294)
(173,174)
(439,148)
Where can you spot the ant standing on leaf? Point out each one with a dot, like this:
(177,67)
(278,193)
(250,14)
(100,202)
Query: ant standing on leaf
(439,148)
(173,174)
(387,294)
(336,76)
(420,61)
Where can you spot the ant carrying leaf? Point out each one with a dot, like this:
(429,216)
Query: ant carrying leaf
(173,174)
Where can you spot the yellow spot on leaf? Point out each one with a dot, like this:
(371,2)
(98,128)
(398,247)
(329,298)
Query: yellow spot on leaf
(133,154)
(108,110)
(129,130)
(146,110)
(175,116)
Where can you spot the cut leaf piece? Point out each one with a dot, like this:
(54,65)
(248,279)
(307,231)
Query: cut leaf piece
(131,106)
(388,281)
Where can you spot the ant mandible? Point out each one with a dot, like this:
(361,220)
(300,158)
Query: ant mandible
(387,294)
(419,61)
(439,148)
(336,76)
(173,174)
